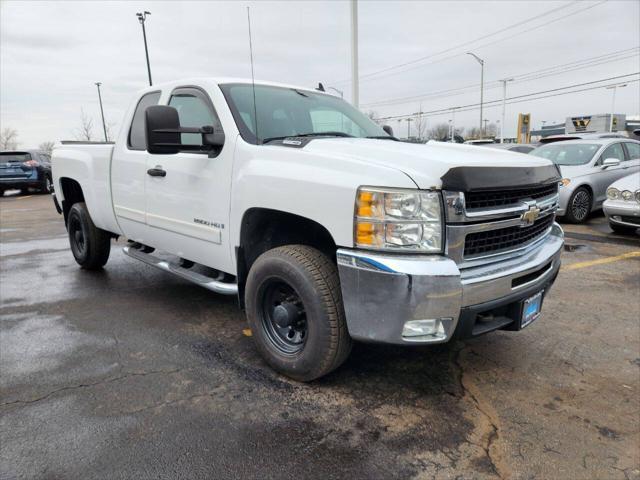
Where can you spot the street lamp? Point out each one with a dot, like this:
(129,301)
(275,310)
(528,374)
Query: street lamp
(104,126)
(613,102)
(339,92)
(504,103)
(409,120)
(481,62)
(141,18)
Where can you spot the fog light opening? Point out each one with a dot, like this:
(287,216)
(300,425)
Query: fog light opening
(428,329)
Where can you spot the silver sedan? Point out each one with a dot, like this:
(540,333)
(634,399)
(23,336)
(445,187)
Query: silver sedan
(588,167)
(622,206)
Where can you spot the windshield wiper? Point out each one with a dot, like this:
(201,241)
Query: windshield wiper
(384,137)
(310,134)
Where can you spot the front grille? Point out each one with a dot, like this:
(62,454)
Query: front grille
(634,220)
(505,238)
(501,198)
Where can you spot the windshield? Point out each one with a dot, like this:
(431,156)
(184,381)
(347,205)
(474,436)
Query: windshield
(288,112)
(567,153)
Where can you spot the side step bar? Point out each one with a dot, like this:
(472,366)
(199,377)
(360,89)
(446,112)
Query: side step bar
(197,278)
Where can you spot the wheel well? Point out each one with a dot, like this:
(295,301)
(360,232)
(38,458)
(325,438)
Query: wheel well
(263,229)
(72,193)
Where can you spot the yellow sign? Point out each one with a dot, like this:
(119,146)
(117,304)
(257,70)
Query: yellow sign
(524,128)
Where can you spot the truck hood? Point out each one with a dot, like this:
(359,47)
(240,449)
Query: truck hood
(426,163)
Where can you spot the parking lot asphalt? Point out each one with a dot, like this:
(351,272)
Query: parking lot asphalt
(132,373)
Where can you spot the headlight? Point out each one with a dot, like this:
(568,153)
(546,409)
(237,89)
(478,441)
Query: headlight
(564,182)
(638,196)
(398,220)
(627,195)
(613,193)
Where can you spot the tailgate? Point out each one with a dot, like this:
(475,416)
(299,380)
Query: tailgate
(11,165)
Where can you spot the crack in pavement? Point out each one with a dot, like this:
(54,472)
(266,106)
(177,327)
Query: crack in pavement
(170,402)
(496,461)
(88,385)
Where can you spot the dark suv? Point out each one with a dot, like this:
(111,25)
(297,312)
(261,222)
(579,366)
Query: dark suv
(25,169)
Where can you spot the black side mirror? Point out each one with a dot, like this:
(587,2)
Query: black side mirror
(163,130)
(388,129)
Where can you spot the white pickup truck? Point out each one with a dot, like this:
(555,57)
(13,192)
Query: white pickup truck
(326,227)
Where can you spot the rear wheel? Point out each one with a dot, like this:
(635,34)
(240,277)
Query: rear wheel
(579,206)
(47,185)
(90,245)
(294,307)
(622,229)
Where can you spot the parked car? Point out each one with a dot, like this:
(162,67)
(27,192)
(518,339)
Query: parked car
(588,167)
(325,227)
(622,206)
(25,169)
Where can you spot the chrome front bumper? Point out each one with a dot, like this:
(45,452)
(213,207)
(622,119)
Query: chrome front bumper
(619,208)
(381,291)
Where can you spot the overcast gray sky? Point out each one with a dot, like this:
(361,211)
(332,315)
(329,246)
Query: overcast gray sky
(53,52)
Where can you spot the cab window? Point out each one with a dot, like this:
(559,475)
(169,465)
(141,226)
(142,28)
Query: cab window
(194,110)
(137,138)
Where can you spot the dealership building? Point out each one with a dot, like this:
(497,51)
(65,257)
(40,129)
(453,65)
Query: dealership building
(599,123)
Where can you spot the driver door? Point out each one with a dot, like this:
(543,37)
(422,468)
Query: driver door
(188,207)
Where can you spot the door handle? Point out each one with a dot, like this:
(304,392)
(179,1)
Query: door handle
(157,172)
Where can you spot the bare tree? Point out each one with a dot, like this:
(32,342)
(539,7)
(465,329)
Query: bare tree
(420,125)
(474,133)
(374,116)
(85,131)
(110,127)
(46,147)
(439,132)
(8,139)
(491,130)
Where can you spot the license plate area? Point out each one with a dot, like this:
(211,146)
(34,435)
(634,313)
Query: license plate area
(531,308)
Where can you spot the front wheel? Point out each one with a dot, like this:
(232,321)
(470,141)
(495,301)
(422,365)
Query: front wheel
(47,185)
(579,206)
(90,245)
(294,308)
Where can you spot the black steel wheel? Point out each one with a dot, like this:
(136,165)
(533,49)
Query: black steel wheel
(90,245)
(294,307)
(283,317)
(579,205)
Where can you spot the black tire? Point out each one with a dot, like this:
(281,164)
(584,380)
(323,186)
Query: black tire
(47,185)
(24,191)
(90,245)
(622,229)
(579,206)
(302,280)
(1,192)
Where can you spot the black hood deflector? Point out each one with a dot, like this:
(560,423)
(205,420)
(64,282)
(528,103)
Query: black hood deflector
(467,179)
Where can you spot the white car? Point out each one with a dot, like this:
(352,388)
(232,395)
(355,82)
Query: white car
(325,227)
(622,206)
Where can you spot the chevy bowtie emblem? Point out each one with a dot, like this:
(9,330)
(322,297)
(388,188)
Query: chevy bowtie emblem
(530,216)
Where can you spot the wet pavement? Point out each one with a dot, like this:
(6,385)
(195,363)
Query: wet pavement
(132,373)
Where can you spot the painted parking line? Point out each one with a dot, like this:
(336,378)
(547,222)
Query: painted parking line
(22,198)
(600,261)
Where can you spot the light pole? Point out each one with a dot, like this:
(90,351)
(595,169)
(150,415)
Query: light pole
(504,103)
(409,120)
(339,92)
(355,90)
(104,126)
(481,62)
(141,18)
(485,126)
(613,103)
(453,124)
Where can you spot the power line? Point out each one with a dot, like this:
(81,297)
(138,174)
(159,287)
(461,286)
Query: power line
(387,71)
(463,108)
(525,77)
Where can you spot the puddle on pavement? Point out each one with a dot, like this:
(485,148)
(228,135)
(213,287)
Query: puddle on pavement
(22,247)
(575,247)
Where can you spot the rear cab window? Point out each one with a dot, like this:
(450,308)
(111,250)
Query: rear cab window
(137,139)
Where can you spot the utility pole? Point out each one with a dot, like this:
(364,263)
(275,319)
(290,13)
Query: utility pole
(104,126)
(504,103)
(613,103)
(141,18)
(355,87)
(481,62)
